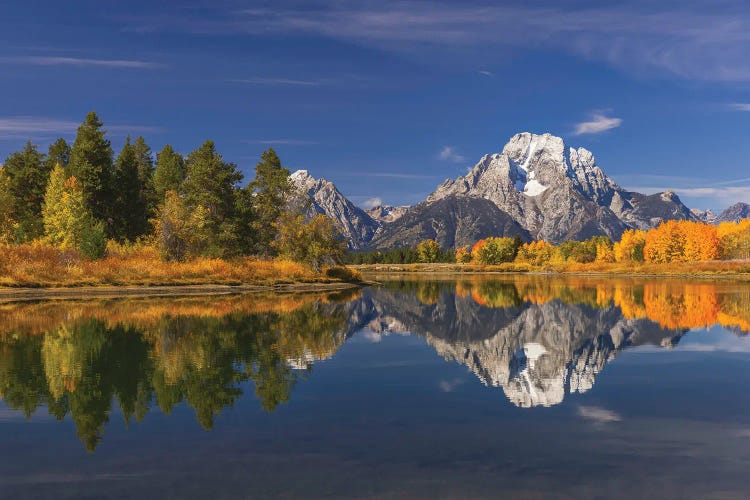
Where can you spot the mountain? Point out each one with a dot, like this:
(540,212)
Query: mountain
(734,213)
(536,187)
(452,222)
(558,193)
(352,222)
(386,213)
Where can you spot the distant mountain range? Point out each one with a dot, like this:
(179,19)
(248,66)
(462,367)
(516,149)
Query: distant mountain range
(537,187)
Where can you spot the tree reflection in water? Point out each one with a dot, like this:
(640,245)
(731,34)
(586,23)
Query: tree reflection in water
(536,337)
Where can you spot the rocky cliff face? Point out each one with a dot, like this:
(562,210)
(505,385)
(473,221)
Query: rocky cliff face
(734,213)
(352,222)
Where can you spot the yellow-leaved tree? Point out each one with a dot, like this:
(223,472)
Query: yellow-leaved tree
(630,246)
(68,222)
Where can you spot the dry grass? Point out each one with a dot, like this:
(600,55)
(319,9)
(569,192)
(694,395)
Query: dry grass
(41,265)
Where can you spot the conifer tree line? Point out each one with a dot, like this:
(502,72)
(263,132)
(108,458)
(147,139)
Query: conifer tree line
(81,195)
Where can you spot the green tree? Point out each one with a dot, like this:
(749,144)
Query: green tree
(8,224)
(170,171)
(313,242)
(211,185)
(131,215)
(68,222)
(58,154)
(273,190)
(145,163)
(493,251)
(428,251)
(180,232)
(27,177)
(91,163)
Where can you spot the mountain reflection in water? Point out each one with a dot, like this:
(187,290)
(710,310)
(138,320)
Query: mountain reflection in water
(536,338)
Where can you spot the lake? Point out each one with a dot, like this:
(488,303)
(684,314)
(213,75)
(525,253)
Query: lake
(453,387)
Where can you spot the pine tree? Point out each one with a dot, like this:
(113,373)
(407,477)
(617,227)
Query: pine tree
(145,162)
(211,184)
(8,224)
(27,177)
(170,171)
(91,164)
(58,154)
(130,214)
(273,190)
(68,222)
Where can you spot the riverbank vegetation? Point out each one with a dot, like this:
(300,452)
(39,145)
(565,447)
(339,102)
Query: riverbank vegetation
(79,215)
(673,247)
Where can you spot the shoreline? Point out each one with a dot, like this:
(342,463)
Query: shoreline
(8,294)
(459,270)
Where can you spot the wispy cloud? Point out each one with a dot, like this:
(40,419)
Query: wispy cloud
(740,106)
(81,62)
(598,415)
(450,385)
(486,73)
(282,81)
(448,153)
(287,142)
(372,202)
(597,124)
(705,41)
(393,175)
(30,127)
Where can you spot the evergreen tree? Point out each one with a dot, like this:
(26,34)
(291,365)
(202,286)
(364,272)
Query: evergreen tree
(68,222)
(8,224)
(27,176)
(58,154)
(145,162)
(130,217)
(170,171)
(211,185)
(273,191)
(91,164)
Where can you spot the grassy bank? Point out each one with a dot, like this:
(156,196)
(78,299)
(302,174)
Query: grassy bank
(40,265)
(733,269)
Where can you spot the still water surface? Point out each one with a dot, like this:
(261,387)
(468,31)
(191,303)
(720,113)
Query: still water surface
(515,386)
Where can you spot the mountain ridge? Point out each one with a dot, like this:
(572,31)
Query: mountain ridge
(536,188)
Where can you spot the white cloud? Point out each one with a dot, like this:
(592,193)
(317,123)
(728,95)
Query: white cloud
(450,385)
(598,415)
(700,40)
(740,106)
(372,202)
(281,81)
(448,153)
(486,73)
(82,62)
(599,123)
(371,336)
(26,127)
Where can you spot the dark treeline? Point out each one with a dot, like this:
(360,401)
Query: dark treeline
(82,195)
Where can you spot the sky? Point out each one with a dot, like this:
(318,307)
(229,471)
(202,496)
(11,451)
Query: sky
(388,98)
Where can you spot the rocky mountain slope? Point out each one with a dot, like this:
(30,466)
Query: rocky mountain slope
(352,222)
(536,187)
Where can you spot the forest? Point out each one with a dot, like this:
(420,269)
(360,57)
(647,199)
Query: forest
(152,218)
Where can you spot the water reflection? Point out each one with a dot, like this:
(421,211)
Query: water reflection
(536,338)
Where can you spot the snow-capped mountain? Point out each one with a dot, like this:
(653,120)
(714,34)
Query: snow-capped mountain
(558,193)
(536,187)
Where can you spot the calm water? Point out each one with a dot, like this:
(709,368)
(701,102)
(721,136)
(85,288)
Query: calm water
(520,386)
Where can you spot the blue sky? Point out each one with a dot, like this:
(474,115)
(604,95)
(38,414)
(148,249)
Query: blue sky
(388,98)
